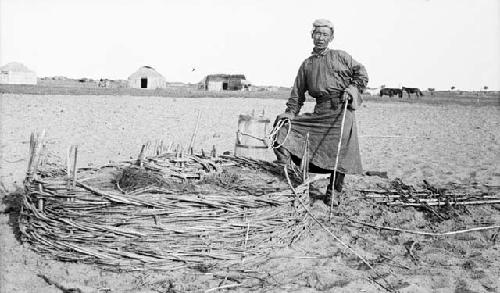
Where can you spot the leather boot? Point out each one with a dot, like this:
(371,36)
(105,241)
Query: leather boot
(339,181)
(337,186)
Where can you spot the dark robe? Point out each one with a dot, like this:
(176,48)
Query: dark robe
(326,76)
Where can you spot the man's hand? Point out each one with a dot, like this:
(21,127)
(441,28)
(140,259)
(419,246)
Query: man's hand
(286,115)
(346,97)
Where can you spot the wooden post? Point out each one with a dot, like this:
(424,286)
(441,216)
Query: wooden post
(39,142)
(43,160)
(304,164)
(68,167)
(154,147)
(181,157)
(193,137)
(214,151)
(29,171)
(74,167)
(141,155)
(40,199)
(161,148)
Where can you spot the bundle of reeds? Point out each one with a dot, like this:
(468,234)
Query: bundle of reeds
(191,213)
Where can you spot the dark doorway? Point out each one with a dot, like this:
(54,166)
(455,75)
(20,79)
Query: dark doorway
(224,86)
(144,83)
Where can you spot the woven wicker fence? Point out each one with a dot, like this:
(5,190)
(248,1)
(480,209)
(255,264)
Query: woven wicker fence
(164,211)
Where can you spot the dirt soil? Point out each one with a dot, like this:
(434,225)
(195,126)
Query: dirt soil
(443,144)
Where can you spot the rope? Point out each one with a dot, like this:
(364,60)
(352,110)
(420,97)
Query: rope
(270,140)
(264,140)
(272,136)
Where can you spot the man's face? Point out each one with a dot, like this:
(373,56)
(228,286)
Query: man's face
(322,36)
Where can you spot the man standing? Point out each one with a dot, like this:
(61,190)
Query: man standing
(332,77)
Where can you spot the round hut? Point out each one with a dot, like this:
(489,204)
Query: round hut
(17,73)
(146,78)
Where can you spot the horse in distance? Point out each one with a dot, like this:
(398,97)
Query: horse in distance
(412,90)
(391,92)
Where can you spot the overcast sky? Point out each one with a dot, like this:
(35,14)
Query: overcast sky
(421,43)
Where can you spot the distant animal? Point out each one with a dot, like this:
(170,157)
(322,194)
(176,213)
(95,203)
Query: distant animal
(391,92)
(412,90)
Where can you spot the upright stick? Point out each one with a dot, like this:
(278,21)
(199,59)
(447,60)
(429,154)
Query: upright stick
(332,180)
(32,155)
(75,159)
(39,143)
(68,167)
(304,164)
(193,137)
(140,158)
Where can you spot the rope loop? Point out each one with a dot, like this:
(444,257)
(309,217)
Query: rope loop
(272,137)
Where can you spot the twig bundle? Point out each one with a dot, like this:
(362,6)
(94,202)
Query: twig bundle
(162,227)
(400,194)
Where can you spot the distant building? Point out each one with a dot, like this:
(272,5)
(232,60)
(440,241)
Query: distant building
(16,73)
(272,88)
(224,82)
(146,78)
(372,91)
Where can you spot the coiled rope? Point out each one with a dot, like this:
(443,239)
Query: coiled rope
(273,135)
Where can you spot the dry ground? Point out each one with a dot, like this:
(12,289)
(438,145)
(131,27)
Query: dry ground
(441,143)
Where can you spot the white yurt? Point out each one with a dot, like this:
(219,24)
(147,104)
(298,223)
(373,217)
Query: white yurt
(146,78)
(17,73)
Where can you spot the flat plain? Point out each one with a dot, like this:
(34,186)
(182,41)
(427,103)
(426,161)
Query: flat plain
(441,142)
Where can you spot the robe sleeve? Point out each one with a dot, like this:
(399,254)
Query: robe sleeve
(358,82)
(297,96)
(359,75)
